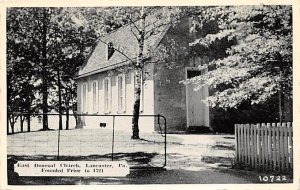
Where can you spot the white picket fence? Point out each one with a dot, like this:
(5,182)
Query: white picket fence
(265,146)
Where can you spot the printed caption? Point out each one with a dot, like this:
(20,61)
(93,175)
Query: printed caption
(72,168)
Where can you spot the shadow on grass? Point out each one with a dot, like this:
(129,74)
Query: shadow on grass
(40,130)
(223,146)
(229,137)
(133,157)
(19,132)
(224,161)
(158,142)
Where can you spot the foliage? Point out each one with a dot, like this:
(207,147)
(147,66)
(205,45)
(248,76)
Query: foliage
(20,75)
(258,64)
(71,45)
(32,64)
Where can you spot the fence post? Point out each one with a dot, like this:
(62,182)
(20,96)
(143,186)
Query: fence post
(290,144)
(259,146)
(269,166)
(165,141)
(113,140)
(285,147)
(242,143)
(266,145)
(255,145)
(236,143)
(247,147)
(278,146)
(252,145)
(58,142)
(274,141)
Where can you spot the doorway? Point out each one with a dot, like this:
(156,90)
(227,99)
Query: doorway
(197,111)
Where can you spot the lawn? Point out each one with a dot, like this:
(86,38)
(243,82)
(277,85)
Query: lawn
(88,144)
(194,159)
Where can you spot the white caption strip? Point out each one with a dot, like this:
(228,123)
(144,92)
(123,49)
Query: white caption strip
(72,168)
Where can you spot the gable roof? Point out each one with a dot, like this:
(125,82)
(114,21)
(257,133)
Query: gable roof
(124,41)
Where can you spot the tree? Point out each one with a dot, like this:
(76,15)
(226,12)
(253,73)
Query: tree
(29,31)
(135,18)
(258,63)
(72,44)
(44,42)
(20,71)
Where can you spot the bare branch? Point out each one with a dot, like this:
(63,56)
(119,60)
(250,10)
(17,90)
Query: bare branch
(136,37)
(133,23)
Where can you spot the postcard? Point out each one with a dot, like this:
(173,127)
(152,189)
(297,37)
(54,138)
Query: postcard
(135,94)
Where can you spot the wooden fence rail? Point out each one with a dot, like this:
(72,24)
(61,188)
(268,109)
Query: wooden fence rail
(265,146)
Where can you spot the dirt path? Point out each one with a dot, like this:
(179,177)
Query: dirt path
(199,159)
(198,152)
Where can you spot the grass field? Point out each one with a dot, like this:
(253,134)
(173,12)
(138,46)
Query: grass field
(190,158)
(182,150)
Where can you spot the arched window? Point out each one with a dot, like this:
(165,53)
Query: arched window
(84,98)
(95,96)
(121,86)
(107,95)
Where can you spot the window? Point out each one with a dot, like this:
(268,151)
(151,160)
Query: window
(121,85)
(193,73)
(110,50)
(107,95)
(84,97)
(95,96)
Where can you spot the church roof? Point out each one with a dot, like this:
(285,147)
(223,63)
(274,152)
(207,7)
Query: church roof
(126,45)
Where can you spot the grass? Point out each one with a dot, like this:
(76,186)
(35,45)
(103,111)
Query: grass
(190,158)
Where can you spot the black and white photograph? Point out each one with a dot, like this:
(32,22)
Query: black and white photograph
(127,95)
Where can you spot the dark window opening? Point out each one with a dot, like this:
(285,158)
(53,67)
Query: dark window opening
(191,74)
(110,50)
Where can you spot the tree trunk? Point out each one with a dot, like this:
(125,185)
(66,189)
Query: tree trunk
(29,112)
(136,106)
(12,122)
(44,73)
(59,101)
(137,85)
(45,105)
(67,119)
(77,121)
(28,122)
(22,123)
(12,125)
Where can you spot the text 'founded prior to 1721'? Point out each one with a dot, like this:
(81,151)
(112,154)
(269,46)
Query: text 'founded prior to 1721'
(72,168)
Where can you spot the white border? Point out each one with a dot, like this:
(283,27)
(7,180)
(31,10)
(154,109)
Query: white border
(77,3)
